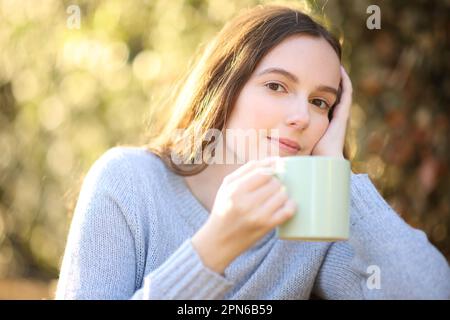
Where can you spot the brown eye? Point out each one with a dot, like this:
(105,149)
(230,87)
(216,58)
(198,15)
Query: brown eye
(274,86)
(322,104)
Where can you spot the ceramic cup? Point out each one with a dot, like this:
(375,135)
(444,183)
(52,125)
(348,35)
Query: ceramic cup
(320,186)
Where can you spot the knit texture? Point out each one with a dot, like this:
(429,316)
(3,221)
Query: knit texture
(130,238)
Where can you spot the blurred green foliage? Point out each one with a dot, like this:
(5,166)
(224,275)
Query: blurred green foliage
(67,95)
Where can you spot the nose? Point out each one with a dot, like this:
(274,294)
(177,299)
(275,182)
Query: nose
(299,117)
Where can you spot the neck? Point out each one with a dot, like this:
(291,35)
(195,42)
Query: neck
(204,185)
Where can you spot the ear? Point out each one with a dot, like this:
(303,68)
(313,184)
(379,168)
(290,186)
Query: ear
(338,99)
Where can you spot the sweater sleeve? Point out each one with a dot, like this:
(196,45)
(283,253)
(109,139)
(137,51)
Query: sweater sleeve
(103,247)
(384,258)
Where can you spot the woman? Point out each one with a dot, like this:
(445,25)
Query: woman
(149,227)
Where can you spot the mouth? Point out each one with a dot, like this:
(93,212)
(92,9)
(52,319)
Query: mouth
(287,145)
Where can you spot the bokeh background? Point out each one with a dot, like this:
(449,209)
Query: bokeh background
(69,94)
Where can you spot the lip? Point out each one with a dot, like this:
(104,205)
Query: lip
(286,144)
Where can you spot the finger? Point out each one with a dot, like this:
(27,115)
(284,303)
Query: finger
(347,88)
(284,213)
(249,166)
(254,179)
(265,191)
(275,201)
(346,82)
(342,110)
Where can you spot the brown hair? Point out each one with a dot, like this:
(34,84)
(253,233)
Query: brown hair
(206,95)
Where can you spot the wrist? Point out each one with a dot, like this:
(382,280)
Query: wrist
(215,253)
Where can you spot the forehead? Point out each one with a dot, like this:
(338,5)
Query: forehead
(308,57)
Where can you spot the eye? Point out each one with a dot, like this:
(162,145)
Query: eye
(319,103)
(273,86)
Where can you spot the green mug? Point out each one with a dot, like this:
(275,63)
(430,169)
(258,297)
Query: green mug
(320,186)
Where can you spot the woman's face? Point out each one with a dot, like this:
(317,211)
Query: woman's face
(290,93)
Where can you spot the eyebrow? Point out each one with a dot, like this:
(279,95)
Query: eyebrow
(294,78)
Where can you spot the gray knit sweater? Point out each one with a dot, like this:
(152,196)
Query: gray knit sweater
(130,238)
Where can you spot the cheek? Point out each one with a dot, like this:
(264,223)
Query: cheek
(253,110)
(317,129)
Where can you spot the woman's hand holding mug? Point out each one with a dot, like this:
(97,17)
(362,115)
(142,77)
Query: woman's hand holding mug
(249,203)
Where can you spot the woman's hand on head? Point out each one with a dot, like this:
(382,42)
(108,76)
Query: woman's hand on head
(332,141)
(249,203)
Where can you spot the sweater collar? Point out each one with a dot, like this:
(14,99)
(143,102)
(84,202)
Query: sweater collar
(190,207)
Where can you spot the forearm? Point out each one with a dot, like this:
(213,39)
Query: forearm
(215,249)
(410,266)
(183,276)
(211,253)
